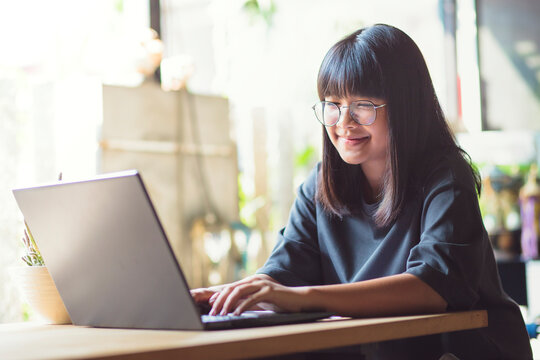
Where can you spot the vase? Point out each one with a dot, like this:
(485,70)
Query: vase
(39,291)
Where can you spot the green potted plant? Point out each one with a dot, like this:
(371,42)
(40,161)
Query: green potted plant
(36,284)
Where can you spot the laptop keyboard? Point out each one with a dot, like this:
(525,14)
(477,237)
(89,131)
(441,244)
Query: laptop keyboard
(229,317)
(257,318)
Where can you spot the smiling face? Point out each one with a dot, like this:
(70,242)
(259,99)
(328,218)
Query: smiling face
(365,145)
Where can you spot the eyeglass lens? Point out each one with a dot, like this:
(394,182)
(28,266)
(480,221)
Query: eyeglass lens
(328,113)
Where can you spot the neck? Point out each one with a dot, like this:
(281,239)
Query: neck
(375,182)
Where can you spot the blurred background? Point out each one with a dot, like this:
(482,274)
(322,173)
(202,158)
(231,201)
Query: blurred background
(211,101)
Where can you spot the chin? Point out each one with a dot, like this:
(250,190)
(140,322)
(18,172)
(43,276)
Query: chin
(351,161)
(350,156)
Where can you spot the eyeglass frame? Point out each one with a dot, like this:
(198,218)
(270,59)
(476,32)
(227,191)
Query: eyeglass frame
(375,107)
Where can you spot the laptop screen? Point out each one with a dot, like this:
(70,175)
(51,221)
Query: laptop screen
(108,254)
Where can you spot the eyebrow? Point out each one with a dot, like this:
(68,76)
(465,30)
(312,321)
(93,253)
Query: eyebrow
(338,101)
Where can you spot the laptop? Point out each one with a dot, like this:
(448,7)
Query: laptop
(111,261)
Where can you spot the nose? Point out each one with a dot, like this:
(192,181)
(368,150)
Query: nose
(345,120)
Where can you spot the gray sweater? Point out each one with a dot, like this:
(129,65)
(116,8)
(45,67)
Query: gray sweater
(439,237)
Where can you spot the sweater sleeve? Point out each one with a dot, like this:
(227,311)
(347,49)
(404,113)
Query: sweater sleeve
(295,259)
(452,247)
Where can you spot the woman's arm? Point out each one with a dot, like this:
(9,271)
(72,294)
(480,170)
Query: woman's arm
(393,295)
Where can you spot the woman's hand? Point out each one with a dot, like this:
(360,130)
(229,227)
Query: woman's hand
(203,295)
(254,292)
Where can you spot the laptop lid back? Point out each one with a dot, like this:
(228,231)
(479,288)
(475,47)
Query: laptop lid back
(108,254)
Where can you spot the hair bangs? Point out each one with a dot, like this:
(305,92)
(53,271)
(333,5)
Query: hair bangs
(348,71)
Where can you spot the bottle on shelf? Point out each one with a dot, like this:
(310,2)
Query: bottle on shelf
(529,199)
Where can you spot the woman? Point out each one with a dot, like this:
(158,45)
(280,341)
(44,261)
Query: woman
(388,223)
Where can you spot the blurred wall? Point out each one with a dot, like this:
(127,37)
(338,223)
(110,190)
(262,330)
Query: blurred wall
(181,144)
(509,52)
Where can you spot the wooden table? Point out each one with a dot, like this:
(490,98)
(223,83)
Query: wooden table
(38,341)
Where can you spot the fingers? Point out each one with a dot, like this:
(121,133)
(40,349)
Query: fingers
(239,292)
(219,301)
(213,298)
(205,295)
(202,295)
(252,300)
(228,299)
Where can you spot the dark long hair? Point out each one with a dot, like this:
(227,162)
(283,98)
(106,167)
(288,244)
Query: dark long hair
(383,62)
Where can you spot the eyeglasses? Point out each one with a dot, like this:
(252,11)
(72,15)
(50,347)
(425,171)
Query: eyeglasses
(362,112)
